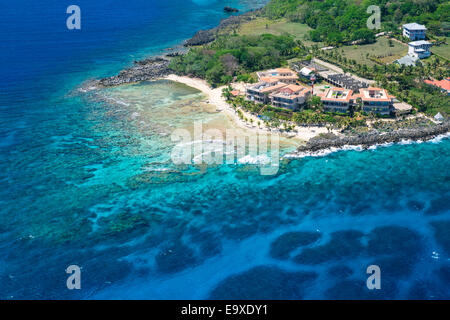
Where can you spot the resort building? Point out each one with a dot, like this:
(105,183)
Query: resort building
(291,97)
(284,75)
(260,91)
(414,31)
(444,84)
(337,99)
(419,49)
(376,100)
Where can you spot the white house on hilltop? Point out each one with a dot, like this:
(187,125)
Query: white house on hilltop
(414,31)
(419,49)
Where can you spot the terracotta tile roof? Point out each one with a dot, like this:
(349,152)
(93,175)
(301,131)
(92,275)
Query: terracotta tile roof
(295,87)
(443,84)
(269,79)
(287,77)
(284,70)
(272,88)
(293,91)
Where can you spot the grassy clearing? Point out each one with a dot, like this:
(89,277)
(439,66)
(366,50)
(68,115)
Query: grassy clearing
(443,50)
(277,27)
(379,50)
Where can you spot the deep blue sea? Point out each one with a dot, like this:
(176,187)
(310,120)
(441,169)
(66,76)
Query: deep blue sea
(85,180)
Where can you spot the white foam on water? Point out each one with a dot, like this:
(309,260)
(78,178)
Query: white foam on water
(435,255)
(440,137)
(324,152)
(259,159)
(134,115)
(118,101)
(189,143)
(87,89)
(156,169)
(199,157)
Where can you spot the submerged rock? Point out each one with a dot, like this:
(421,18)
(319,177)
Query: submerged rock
(174,258)
(340,272)
(343,244)
(397,250)
(264,283)
(439,206)
(441,234)
(287,242)
(394,240)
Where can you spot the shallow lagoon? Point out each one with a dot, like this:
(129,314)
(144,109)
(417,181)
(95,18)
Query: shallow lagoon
(86,179)
(141,227)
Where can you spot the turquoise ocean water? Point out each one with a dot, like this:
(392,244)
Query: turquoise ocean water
(86,179)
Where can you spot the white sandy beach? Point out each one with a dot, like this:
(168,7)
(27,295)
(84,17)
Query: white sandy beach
(215,97)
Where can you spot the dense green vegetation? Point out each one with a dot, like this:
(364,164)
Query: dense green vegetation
(235,55)
(340,21)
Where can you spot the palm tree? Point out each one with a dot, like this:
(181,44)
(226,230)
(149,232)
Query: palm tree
(226,92)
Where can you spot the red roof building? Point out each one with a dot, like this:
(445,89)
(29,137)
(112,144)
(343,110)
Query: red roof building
(443,84)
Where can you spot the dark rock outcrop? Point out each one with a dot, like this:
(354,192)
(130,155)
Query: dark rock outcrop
(230,9)
(207,36)
(174,54)
(374,137)
(148,69)
(201,37)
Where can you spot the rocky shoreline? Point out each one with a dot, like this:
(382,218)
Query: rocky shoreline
(143,70)
(374,138)
(155,68)
(158,67)
(209,35)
